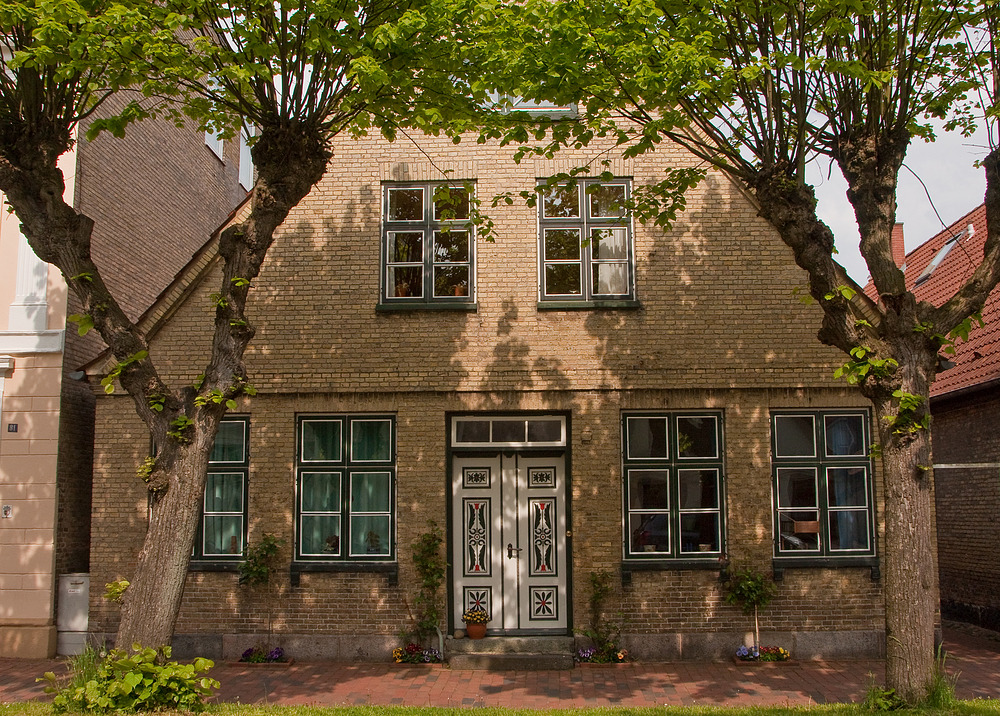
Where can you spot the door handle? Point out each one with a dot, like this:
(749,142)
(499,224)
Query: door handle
(511,550)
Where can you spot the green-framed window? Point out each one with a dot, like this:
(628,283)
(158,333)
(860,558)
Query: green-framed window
(223,526)
(346,481)
(585,242)
(823,497)
(673,485)
(428,246)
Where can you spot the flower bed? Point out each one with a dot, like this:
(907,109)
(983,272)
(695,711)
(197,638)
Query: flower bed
(260,655)
(415,654)
(592,655)
(763,653)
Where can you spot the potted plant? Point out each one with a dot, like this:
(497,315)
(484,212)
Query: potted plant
(475,622)
(751,590)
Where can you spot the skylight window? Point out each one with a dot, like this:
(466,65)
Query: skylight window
(938,258)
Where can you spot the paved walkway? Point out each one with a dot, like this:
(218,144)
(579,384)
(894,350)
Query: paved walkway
(970,654)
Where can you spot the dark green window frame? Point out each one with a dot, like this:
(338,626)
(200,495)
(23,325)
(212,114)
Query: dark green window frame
(673,486)
(585,247)
(822,484)
(425,262)
(345,466)
(222,526)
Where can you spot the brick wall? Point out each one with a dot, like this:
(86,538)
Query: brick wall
(967,501)
(720,327)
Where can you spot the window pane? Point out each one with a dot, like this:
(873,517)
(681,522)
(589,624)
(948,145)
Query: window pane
(369,492)
(562,244)
(699,489)
(451,246)
(649,533)
(321,440)
(607,200)
(799,531)
(472,431)
(849,529)
(794,436)
(224,492)
(406,246)
(406,204)
(371,440)
(406,281)
(561,202)
(610,279)
(697,436)
(451,280)
(847,487)
(647,437)
(797,487)
(544,431)
(223,535)
(321,492)
(508,431)
(700,532)
(229,442)
(648,490)
(562,280)
(320,534)
(451,203)
(845,435)
(606,244)
(370,534)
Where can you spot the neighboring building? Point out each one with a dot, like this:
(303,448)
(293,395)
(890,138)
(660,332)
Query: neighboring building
(155,195)
(586,393)
(965,400)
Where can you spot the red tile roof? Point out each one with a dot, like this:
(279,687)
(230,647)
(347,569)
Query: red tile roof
(977,360)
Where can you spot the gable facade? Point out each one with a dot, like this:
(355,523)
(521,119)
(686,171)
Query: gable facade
(584,394)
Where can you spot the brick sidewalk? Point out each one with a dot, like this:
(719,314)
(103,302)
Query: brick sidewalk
(976,659)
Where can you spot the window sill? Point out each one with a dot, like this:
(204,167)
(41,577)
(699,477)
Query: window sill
(624,305)
(780,564)
(424,306)
(206,565)
(390,569)
(668,565)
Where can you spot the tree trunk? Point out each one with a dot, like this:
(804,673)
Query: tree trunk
(910,573)
(152,601)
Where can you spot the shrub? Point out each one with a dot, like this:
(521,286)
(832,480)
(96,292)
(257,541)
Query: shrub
(141,681)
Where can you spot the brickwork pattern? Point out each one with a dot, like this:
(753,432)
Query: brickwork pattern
(720,328)
(967,501)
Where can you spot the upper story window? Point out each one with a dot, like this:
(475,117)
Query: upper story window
(673,474)
(346,476)
(428,245)
(222,531)
(585,242)
(822,484)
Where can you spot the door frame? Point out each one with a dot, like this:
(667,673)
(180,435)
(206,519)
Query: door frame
(545,451)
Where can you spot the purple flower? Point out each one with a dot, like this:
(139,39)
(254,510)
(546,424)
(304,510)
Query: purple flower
(276,654)
(248,653)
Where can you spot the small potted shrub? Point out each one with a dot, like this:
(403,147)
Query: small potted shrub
(752,590)
(475,622)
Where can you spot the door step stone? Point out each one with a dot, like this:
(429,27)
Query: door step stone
(511,653)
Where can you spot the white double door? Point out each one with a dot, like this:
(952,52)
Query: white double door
(508,541)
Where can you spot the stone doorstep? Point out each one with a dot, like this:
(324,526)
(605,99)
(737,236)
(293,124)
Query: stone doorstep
(519,653)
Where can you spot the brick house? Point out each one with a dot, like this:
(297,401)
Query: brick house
(964,399)
(154,196)
(585,394)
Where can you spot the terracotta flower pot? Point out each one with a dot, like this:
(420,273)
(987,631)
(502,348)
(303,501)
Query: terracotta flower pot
(475,631)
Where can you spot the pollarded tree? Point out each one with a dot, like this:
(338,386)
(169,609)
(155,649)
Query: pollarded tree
(299,72)
(759,90)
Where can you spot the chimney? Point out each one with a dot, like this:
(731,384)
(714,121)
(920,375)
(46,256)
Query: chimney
(898,248)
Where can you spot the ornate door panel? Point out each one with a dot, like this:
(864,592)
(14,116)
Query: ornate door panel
(509,541)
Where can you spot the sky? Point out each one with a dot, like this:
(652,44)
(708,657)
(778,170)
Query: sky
(945,167)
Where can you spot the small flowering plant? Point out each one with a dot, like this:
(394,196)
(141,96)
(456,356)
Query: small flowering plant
(592,655)
(261,655)
(763,653)
(415,654)
(476,616)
